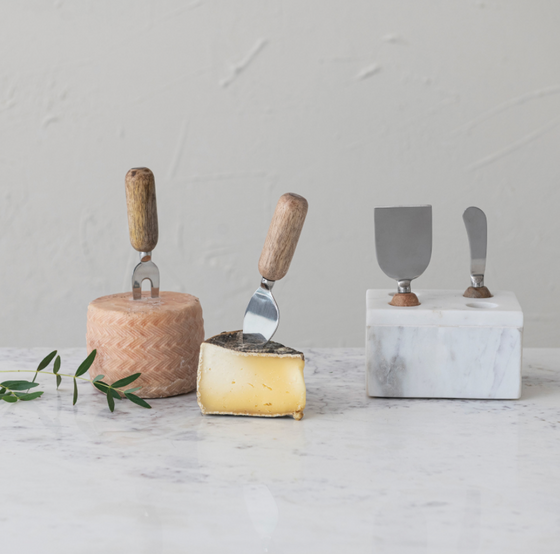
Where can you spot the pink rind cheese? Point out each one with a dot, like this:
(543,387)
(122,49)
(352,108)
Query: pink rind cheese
(157,337)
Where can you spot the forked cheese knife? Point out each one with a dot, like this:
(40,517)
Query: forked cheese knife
(477,231)
(262,315)
(143,227)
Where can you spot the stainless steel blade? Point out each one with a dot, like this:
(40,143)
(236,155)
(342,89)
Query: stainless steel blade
(262,315)
(477,231)
(146,269)
(403,242)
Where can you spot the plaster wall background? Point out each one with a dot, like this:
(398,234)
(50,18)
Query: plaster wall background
(351,103)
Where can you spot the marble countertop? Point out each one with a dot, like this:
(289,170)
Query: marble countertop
(357,474)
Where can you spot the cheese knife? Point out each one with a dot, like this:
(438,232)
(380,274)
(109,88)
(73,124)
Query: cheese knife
(262,315)
(477,231)
(403,245)
(143,227)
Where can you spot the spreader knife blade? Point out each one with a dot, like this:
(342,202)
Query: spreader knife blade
(477,231)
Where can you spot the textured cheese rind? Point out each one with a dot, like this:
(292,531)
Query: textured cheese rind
(227,354)
(157,337)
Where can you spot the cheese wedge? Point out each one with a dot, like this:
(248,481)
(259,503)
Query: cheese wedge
(239,379)
(157,337)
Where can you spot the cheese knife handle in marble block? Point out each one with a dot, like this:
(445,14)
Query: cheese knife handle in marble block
(477,231)
(143,227)
(142,209)
(283,235)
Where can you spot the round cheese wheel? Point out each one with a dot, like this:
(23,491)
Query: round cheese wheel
(157,337)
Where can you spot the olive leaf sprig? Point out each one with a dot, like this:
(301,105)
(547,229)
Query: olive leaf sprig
(16,390)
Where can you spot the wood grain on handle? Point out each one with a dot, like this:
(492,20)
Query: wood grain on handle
(283,236)
(405,300)
(142,209)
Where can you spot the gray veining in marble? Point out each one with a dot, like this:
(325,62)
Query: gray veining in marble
(357,474)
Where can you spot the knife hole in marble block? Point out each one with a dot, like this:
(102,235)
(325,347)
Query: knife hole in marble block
(482,305)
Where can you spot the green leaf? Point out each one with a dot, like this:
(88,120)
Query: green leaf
(75,399)
(115,394)
(43,364)
(2,390)
(110,401)
(5,394)
(86,364)
(9,398)
(100,385)
(30,395)
(46,361)
(98,378)
(132,390)
(56,370)
(136,400)
(106,389)
(19,385)
(125,381)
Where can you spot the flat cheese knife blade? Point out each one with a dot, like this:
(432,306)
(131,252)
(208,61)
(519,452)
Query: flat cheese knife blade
(403,242)
(262,315)
(477,231)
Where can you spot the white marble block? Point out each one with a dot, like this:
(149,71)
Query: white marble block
(448,347)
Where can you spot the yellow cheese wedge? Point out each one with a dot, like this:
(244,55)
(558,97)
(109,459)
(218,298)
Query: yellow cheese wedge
(237,379)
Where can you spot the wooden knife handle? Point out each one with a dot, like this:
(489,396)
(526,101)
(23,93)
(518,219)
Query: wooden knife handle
(283,235)
(142,209)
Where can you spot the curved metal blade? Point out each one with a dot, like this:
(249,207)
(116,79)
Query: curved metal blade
(403,240)
(261,316)
(477,231)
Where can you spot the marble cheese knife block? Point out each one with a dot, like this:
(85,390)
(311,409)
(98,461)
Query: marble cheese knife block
(447,347)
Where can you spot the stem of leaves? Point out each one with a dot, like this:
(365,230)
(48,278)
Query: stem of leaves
(12,391)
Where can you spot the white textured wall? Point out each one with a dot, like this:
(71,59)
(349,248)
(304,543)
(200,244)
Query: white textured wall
(351,103)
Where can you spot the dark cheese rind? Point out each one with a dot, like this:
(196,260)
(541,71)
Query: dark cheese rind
(233,340)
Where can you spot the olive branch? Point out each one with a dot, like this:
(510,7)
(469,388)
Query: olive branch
(18,390)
